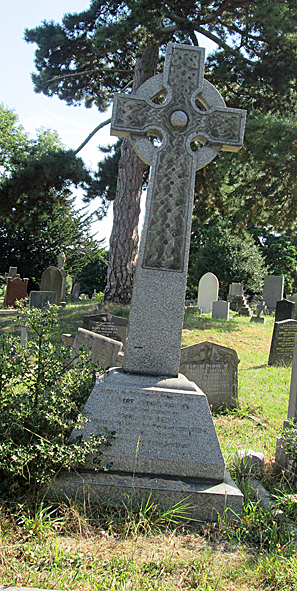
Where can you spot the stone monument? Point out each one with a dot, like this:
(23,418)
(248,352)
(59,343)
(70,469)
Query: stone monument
(208,292)
(282,342)
(284,310)
(220,309)
(214,369)
(61,263)
(273,290)
(281,458)
(165,441)
(51,280)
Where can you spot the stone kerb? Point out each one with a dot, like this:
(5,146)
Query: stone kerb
(208,292)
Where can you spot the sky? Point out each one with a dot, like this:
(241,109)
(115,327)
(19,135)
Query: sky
(73,124)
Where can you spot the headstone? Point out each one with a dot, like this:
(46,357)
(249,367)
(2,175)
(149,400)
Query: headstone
(165,443)
(235,290)
(251,462)
(282,343)
(12,273)
(208,292)
(16,289)
(75,292)
(103,350)
(259,319)
(51,280)
(273,290)
(220,309)
(281,458)
(108,325)
(284,310)
(41,299)
(61,263)
(215,370)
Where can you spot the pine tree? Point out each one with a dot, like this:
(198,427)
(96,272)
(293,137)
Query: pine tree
(92,54)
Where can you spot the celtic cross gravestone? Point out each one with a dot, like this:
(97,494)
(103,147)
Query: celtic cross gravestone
(193,110)
(165,447)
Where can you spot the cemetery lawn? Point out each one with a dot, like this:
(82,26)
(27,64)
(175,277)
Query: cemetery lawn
(71,547)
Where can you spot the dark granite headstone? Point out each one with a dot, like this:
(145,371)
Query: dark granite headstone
(108,325)
(282,343)
(284,310)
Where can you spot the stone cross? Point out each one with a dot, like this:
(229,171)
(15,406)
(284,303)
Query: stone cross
(193,110)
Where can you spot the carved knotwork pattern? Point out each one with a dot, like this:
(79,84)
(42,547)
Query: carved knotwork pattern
(134,115)
(219,127)
(165,243)
(184,74)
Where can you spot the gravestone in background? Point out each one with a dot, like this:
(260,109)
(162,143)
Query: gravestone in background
(12,273)
(259,318)
(165,444)
(281,458)
(108,325)
(215,370)
(75,292)
(273,290)
(282,343)
(51,280)
(16,289)
(103,350)
(220,309)
(284,310)
(235,290)
(40,299)
(61,263)
(208,292)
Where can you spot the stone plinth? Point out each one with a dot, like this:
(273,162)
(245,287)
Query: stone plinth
(205,500)
(162,426)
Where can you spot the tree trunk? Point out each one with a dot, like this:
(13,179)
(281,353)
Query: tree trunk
(126,206)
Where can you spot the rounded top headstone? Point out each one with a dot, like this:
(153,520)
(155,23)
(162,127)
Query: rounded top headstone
(208,292)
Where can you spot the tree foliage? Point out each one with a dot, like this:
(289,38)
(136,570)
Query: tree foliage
(43,220)
(35,173)
(232,258)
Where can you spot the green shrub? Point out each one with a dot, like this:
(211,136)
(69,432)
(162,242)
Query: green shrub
(42,392)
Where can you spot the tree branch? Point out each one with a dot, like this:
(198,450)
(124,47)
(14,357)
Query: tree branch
(87,72)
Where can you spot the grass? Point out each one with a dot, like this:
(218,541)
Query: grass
(138,548)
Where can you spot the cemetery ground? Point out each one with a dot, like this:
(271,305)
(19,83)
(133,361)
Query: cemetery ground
(68,546)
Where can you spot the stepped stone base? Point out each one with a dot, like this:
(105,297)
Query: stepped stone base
(165,446)
(204,500)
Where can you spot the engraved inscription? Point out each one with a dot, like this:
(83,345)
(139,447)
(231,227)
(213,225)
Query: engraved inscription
(283,342)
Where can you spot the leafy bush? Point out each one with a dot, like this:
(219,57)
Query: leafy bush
(42,392)
(232,258)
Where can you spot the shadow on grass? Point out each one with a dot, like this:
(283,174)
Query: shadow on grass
(194,321)
(255,367)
